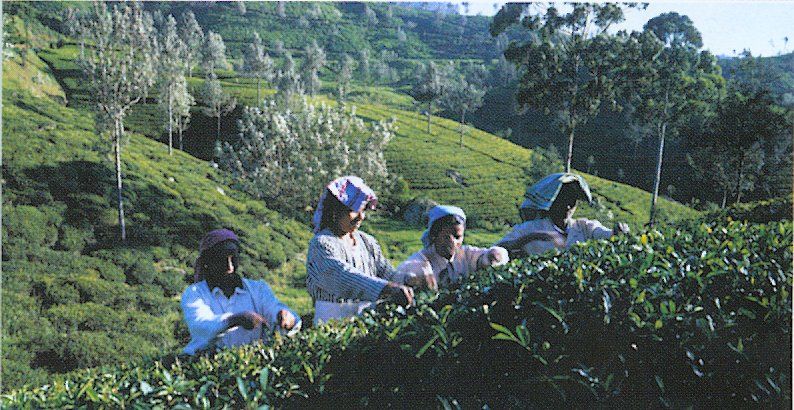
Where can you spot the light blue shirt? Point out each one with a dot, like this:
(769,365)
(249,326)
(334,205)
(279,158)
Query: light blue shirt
(206,313)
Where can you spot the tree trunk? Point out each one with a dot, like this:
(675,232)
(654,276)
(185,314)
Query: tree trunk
(179,128)
(429,109)
(658,177)
(739,180)
(724,197)
(462,122)
(570,149)
(170,122)
(117,148)
(257,91)
(218,134)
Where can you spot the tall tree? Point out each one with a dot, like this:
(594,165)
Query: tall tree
(673,82)
(171,70)
(363,65)
(463,95)
(183,101)
(288,81)
(217,102)
(372,18)
(569,62)
(118,54)
(314,60)
(731,154)
(345,76)
(430,88)
(258,64)
(193,36)
(214,53)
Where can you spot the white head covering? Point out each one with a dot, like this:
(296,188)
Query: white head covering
(436,213)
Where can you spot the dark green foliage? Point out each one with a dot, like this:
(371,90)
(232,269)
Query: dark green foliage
(695,315)
(777,209)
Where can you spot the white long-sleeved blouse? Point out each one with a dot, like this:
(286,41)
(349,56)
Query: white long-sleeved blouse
(206,314)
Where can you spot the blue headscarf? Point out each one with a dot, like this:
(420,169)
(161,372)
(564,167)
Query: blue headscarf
(436,213)
(540,196)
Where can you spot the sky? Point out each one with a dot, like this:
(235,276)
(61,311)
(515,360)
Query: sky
(727,27)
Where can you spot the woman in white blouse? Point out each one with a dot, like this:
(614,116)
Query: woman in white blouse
(224,309)
(548,223)
(444,260)
(346,271)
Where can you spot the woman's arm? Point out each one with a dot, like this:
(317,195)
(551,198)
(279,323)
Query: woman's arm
(203,324)
(327,269)
(272,308)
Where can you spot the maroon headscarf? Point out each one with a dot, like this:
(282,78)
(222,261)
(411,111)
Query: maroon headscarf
(211,239)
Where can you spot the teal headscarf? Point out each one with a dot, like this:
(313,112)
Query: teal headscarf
(540,196)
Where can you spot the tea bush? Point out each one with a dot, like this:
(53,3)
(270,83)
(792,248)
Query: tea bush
(776,209)
(690,316)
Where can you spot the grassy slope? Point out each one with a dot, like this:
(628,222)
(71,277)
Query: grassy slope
(495,172)
(166,218)
(73,295)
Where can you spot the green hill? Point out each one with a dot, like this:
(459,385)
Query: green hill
(75,297)
(96,300)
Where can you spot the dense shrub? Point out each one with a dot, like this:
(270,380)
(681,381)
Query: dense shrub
(777,209)
(692,316)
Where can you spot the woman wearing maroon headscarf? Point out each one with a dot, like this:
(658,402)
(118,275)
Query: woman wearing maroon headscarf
(224,309)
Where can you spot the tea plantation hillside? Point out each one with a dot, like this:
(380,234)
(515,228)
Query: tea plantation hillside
(337,27)
(694,315)
(487,176)
(73,295)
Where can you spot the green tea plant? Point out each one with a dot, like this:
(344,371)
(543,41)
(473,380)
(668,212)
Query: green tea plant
(691,315)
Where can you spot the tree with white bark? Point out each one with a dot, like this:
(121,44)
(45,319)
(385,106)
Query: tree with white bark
(430,88)
(463,96)
(257,64)
(171,70)
(570,61)
(183,101)
(217,102)
(286,155)
(672,82)
(118,54)
(214,53)
(193,36)
(314,60)
(345,76)
(288,81)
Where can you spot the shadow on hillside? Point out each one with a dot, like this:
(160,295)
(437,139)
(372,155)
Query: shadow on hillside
(154,216)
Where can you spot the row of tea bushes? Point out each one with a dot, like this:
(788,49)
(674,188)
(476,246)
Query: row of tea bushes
(697,315)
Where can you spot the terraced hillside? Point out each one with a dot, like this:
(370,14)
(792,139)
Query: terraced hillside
(487,175)
(73,295)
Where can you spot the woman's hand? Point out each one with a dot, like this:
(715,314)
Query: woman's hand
(399,294)
(425,281)
(286,319)
(621,228)
(496,256)
(248,319)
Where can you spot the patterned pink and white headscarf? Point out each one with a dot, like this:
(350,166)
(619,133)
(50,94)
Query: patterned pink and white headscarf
(349,190)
